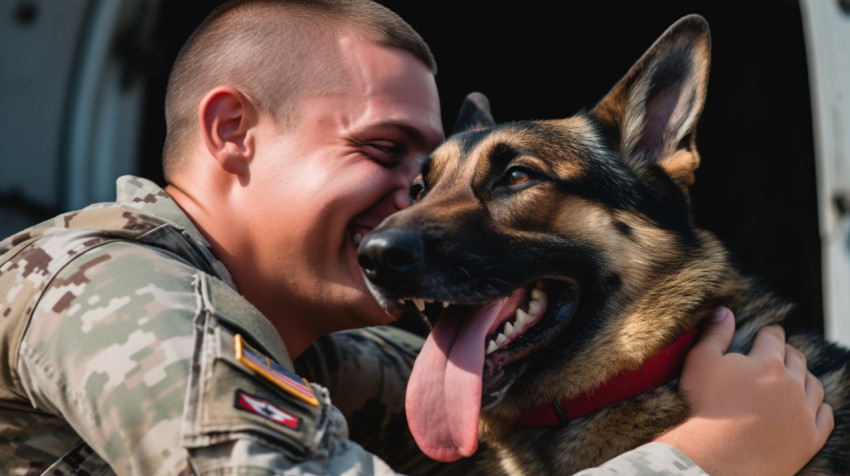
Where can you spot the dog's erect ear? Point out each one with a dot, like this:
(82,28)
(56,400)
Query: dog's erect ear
(474,113)
(651,114)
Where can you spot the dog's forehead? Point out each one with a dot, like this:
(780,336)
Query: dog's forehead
(562,145)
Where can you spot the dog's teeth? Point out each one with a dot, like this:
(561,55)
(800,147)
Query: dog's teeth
(534,307)
(538,295)
(445,304)
(509,329)
(357,238)
(522,317)
(501,339)
(419,303)
(401,301)
(491,347)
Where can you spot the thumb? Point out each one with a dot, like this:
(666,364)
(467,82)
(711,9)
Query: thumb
(716,336)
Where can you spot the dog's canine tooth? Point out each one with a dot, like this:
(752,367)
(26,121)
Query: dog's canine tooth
(534,307)
(492,347)
(538,295)
(523,317)
(419,303)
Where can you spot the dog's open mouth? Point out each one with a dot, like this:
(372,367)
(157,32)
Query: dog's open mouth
(472,357)
(536,325)
(525,324)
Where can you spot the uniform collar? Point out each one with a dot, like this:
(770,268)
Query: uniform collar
(150,198)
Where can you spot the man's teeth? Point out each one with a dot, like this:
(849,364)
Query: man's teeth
(536,305)
(357,238)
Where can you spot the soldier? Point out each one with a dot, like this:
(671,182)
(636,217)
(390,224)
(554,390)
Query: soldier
(156,334)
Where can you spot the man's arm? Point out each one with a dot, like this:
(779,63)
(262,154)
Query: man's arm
(134,349)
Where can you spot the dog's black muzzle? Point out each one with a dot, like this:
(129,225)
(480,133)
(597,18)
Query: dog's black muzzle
(391,256)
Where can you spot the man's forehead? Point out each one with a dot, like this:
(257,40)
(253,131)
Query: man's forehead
(377,66)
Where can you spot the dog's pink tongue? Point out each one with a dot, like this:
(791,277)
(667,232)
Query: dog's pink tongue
(444,392)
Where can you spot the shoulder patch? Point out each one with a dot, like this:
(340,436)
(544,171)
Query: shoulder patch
(266,409)
(273,371)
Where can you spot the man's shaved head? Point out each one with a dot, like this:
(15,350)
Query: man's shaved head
(273,51)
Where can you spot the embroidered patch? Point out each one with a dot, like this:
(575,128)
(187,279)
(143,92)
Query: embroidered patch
(274,372)
(265,409)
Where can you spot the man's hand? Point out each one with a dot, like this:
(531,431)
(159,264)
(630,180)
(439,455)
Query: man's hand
(754,414)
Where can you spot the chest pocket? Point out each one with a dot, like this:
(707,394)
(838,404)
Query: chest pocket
(237,390)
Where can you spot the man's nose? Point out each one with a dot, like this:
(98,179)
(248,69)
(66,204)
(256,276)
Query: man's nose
(401,191)
(401,198)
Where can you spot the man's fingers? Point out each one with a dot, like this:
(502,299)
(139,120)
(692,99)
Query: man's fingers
(795,361)
(716,336)
(770,342)
(825,422)
(814,390)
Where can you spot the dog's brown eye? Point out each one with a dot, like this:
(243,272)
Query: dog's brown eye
(417,190)
(417,196)
(517,177)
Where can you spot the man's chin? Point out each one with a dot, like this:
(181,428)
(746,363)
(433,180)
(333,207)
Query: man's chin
(378,316)
(369,311)
(365,311)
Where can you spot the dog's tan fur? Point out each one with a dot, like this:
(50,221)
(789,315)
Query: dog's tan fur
(612,185)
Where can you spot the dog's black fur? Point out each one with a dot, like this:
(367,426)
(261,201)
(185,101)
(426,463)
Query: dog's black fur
(596,208)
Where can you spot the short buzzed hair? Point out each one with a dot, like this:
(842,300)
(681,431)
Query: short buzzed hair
(272,51)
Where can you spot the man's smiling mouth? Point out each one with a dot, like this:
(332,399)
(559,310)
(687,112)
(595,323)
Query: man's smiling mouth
(357,232)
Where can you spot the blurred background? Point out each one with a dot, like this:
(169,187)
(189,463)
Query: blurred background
(82,85)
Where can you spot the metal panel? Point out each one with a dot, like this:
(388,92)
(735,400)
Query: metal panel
(827,27)
(72,99)
(39,42)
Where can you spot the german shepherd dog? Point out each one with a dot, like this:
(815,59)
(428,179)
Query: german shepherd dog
(569,278)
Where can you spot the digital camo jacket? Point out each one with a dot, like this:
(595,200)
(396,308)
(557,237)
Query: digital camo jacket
(125,348)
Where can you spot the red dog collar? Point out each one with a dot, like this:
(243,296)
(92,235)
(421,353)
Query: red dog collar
(656,371)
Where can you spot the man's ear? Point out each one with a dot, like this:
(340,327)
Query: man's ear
(226,118)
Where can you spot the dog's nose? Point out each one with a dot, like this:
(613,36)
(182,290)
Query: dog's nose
(388,255)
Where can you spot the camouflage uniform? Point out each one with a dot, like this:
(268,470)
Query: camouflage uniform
(125,348)
(650,459)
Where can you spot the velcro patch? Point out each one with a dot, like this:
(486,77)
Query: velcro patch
(265,409)
(274,371)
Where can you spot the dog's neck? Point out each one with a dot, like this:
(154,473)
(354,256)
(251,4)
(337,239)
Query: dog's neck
(659,369)
(713,281)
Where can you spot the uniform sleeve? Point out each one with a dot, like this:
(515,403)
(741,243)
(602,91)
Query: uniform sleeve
(137,351)
(651,459)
